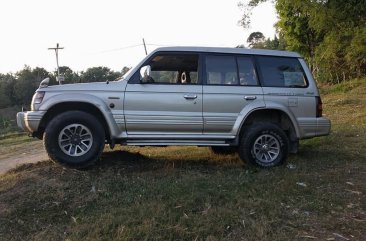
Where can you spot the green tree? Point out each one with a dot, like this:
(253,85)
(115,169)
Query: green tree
(277,43)
(294,25)
(7,90)
(125,70)
(356,52)
(330,34)
(256,40)
(99,74)
(341,55)
(27,81)
(69,74)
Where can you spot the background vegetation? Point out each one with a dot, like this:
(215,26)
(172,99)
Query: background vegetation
(330,34)
(17,89)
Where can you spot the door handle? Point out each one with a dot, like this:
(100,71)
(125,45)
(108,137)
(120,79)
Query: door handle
(190,97)
(250,97)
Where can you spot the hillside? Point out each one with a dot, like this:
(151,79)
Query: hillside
(188,193)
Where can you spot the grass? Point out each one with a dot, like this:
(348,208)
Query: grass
(188,193)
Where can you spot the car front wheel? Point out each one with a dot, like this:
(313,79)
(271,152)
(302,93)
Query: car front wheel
(74,139)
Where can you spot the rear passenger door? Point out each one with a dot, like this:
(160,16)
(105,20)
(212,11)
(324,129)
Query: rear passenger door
(230,83)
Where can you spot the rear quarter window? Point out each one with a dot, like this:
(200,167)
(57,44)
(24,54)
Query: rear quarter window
(281,72)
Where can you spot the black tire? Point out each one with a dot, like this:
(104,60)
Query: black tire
(223,150)
(264,141)
(79,149)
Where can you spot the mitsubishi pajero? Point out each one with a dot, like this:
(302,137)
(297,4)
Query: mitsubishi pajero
(259,103)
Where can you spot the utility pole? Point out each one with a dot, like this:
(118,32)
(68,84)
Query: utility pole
(143,41)
(58,68)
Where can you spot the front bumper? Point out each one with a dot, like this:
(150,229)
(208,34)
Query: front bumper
(29,121)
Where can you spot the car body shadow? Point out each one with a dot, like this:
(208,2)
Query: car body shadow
(130,162)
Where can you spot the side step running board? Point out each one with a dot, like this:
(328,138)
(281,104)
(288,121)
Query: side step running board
(174,143)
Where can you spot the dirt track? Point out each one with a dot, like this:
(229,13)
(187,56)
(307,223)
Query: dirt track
(13,155)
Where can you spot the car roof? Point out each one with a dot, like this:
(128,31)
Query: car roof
(229,51)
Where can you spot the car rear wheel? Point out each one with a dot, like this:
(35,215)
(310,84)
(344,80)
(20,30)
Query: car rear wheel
(74,139)
(264,145)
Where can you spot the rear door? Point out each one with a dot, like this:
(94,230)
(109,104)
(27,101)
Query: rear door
(170,101)
(230,83)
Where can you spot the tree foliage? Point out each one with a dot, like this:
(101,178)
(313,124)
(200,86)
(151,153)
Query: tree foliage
(99,74)
(125,70)
(6,90)
(257,40)
(26,82)
(18,89)
(330,34)
(69,75)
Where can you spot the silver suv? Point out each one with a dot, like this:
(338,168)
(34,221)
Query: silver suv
(257,102)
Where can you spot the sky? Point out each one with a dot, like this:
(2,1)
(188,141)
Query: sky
(101,32)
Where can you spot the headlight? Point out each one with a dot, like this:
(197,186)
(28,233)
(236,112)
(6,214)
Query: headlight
(38,97)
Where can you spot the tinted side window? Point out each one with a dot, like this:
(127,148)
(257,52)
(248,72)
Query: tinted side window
(281,72)
(174,69)
(247,74)
(221,70)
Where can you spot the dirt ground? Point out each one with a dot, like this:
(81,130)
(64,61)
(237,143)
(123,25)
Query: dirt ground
(12,155)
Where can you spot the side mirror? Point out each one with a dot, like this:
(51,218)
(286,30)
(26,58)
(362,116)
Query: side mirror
(145,72)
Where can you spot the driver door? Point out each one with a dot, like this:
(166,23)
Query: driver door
(168,100)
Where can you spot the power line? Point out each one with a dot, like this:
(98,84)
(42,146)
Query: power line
(118,49)
(132,46)
(159,45)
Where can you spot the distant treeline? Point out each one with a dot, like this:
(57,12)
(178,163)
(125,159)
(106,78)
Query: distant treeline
(17,89)
(330,34)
